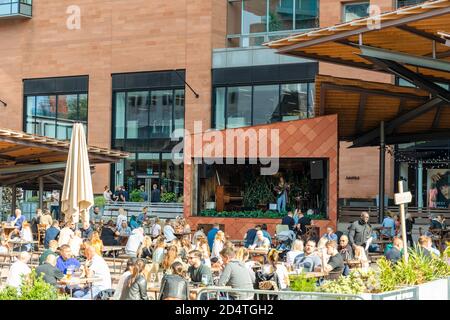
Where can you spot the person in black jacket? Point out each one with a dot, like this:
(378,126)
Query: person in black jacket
(360,231)
(135,286)
(409,224)
(108,234)
(174,286)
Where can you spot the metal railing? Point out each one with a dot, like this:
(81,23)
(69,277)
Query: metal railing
(350,214)
(228,294)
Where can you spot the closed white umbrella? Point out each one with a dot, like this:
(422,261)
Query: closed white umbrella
(77,196)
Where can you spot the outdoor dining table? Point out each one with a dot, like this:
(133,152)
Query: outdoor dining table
(115,250)
(74,281)
(353,264)
(8,229)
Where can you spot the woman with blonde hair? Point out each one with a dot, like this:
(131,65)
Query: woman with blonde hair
(145,249)
(218,245)
(97,243)
(296,249)
(26,235)
(203,247)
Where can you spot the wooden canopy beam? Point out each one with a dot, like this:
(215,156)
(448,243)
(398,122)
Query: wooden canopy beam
(391,125)
(361,111)
(421,33)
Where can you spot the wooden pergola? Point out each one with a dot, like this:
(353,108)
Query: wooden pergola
(412,43)
(36,162)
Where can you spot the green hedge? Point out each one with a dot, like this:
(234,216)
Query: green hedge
(269,214)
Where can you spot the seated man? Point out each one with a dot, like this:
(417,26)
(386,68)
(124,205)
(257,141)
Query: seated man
(66,233)
(18,270)
(134,241)
(260,241)
(95,266)
(309,260)
(426,247)
(335,262)
(395,253)
(250,236)
(52,248)
(236,275)
(87,230)
(65,260)
(51,233)
(330,235)
(51,274)
(197,270)
(265,232)
(345,249)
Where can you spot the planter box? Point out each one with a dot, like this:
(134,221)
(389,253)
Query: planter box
(434,290)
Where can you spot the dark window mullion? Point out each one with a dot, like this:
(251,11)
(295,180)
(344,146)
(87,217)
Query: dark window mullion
(251,105)
(225,109)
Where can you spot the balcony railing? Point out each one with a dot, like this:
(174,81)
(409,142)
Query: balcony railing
(16,8)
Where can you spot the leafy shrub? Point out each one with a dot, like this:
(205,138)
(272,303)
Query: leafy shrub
(9,293)
(357,282)
(303,284)
(99,201)
(268,214)
(169,197)
(136,196)
(33,199)
(32,288)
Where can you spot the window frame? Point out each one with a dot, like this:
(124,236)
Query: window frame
(352,3)
(56,95)
(279,84)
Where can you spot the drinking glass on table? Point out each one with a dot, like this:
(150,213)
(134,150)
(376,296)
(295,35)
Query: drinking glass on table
(205,280)
(69,272)
(160,276)
(152,279)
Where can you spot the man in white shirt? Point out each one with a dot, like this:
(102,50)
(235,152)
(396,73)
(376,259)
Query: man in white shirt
(155,230)
(134,241)
(96,267)
(260,242)
(18,269)
(121,217)
(66,234)
(54,204)
(169,232)
(75,243)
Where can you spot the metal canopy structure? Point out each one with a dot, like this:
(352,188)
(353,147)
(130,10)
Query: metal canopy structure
(414,33)
(408,113)
(28,160)
(412,43)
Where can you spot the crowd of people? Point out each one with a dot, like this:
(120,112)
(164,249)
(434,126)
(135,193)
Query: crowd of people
(174,258)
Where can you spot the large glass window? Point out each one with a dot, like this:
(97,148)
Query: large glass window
(137,115)
(404,3)
(143,170)
(54,115)
(265,102)
(239,107)
(252,22)
(294,101)
(251,105)
(147,115)
(161,113)
(355,10)
(254,17)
